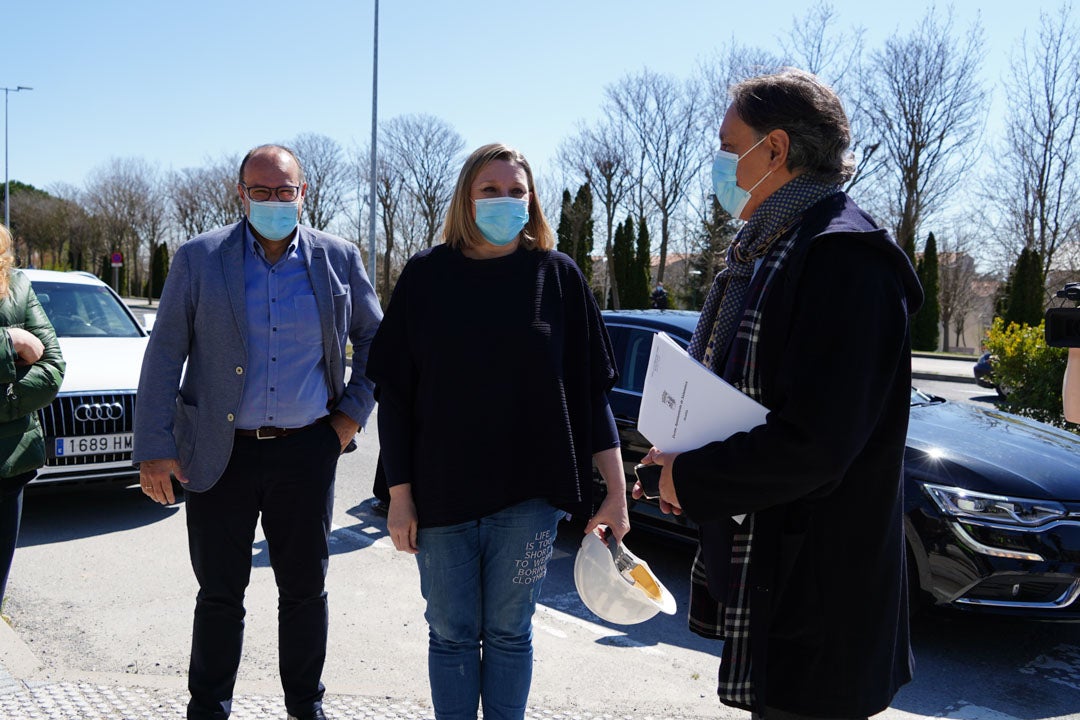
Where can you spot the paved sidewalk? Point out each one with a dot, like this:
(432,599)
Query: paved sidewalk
(28,693)
(937,367)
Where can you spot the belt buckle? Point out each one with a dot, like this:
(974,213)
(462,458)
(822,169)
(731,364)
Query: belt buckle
(260,436)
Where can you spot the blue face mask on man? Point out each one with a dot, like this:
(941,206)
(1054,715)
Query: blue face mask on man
(274,220)
(501,219)
(728,193)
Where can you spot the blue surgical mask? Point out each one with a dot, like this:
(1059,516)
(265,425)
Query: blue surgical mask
(501,219)
(728,193)
(273,220)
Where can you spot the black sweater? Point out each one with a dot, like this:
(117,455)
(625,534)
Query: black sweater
(491,377)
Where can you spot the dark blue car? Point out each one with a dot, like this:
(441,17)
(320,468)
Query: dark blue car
(992,499)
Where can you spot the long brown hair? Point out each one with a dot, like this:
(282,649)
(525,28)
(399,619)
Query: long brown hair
(7,261)
(460,229)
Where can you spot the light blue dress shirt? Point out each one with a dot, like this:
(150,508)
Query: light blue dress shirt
(285,383)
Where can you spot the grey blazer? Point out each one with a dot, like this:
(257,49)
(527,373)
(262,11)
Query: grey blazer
(188,413)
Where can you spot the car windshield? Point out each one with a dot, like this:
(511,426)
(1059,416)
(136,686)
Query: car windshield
(77,310)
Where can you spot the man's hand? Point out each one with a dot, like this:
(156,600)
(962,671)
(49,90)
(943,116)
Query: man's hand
(344,426)
(669,501)
(27,346)
(155,476)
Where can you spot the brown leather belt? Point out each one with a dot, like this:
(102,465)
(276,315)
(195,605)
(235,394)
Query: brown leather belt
(267,432)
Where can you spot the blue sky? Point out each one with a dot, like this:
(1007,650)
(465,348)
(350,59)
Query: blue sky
(177,83)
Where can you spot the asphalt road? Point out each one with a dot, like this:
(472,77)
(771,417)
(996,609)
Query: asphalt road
(102,590)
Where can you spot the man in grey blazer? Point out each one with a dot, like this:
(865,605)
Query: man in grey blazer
(243,400)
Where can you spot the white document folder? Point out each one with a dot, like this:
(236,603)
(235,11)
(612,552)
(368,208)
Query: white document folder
(684,405)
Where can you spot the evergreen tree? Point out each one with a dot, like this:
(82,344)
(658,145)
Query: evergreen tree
(159,269)
(583,230)
(710,254)
(564,232)
(925,324)
(1026,299)
(622,258)
(641,274)
(575,231)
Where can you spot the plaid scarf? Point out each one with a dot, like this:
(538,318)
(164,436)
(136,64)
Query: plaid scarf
(725,341)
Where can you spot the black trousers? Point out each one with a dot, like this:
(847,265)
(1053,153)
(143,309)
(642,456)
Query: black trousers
(11,503)
(289,481)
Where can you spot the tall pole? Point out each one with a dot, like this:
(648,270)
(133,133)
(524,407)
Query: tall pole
(7,189)
(374,152)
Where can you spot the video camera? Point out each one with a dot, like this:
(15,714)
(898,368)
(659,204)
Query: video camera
(1063,323)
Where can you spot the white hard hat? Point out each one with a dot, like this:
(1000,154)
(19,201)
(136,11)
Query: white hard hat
(623,597)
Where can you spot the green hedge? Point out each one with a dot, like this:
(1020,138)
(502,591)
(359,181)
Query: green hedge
(1027,370)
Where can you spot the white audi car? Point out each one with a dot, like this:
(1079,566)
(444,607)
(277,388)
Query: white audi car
(88,427)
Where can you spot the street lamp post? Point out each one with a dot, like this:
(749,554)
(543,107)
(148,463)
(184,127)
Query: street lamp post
(374,151)
(7,192)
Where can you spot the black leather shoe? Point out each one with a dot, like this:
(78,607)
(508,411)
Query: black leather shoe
(317,715)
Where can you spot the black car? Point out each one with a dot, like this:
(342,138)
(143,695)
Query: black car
(992,500)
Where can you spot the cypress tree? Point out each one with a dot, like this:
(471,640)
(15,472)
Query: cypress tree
(622,258)
(564,232)
(159,269)
(925,325)
(583,230)
(1025,301)
(641,276)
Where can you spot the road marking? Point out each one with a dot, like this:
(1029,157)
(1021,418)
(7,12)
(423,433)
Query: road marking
(364,536)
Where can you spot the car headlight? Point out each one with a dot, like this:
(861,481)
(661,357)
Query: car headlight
(959,502)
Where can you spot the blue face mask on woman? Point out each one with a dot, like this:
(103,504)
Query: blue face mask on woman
(273,220)
(501,219)
(728,193)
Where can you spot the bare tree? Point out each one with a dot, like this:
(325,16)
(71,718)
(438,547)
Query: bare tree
(427,152)
(205,197)
(1037,182)
(957,276)
(128,197)
(662,114)
(389,189)
(599,156)
(926,105)
(718,73)
(328,177)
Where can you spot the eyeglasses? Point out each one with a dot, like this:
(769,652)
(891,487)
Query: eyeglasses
(284,193)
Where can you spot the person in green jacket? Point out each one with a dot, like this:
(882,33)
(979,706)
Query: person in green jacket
(31,368)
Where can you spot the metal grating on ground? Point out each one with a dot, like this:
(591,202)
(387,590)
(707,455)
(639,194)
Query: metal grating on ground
(89,701)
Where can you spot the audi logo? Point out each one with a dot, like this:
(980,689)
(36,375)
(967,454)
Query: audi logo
(99,411)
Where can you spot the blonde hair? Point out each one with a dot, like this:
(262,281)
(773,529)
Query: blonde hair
(7,261)
(460,229)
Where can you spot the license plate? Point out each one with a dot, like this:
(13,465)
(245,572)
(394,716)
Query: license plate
(94,444)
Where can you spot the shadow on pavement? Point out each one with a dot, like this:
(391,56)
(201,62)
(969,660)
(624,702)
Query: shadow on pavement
(55,513)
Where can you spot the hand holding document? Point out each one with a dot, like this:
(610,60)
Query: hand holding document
(684,405)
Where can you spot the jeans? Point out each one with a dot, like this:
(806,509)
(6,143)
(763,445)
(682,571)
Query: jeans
(481,580)
(289,482)
(11,502)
